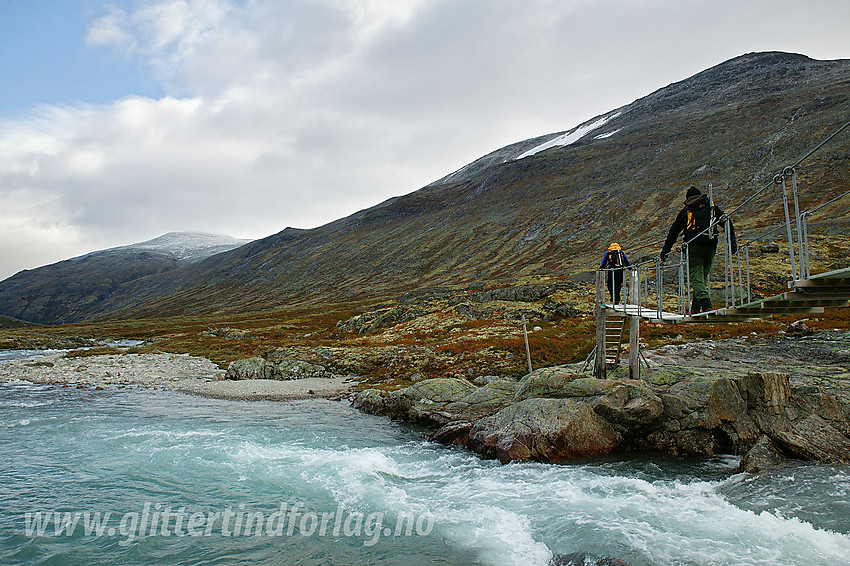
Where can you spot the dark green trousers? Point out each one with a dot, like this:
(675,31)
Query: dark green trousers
(700,258)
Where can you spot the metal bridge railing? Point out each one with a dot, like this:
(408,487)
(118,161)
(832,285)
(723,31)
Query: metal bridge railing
(737,288)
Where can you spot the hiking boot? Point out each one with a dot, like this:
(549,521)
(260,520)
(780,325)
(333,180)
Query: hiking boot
(695,308)
(705,305)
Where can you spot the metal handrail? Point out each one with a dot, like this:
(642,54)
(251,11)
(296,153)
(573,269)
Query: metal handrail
(800,265)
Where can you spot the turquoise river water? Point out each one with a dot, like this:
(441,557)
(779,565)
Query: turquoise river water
(134,476)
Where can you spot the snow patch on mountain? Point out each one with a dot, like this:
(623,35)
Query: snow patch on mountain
(608,135)
(570,137)
(185,247)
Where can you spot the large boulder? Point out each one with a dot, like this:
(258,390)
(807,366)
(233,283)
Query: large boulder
(557,382)
(483,401)
(250,368)
(377,402)
(815,439)
(767,396)
(546,430)
(690,423)
(707,415)
(427,401)
(298,369)
(690,395)
(630,406)
(764,455)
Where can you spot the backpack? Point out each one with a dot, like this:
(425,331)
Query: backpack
(697,222)
(615,258)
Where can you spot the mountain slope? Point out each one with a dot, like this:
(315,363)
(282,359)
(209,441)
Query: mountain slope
(546,206)
(64,291)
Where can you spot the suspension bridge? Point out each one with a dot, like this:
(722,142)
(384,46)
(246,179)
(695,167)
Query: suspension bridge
(644,286)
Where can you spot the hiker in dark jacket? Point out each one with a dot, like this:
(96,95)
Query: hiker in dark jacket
(615,261)
(693,222)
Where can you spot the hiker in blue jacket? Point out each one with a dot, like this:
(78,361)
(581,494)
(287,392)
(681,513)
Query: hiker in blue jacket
(614,261)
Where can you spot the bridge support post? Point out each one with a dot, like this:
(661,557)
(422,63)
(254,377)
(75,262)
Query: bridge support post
(599,370)
(634,327)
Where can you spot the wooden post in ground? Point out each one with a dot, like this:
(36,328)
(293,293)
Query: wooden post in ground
(527,349)
(599,363)
(634,327)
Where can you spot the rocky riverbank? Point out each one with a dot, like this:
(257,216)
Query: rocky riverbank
(770,401)
(181,372)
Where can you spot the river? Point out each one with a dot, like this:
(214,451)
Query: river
(139,476)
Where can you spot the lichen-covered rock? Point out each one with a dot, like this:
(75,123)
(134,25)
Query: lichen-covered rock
(815,439)
(558,413)
(484,400)
(426,402)
(835,410)
(298,369)
(707,415)
(380,318)
(250,368)
(692,393)
(629,405)
(549,383)
(676,407)
(588,387)
(704,403)
(483,380)
(546,430)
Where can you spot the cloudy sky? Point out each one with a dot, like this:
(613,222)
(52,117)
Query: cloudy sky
(124,119)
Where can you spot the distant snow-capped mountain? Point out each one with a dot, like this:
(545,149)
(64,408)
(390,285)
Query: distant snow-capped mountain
(186,247)
(58,292)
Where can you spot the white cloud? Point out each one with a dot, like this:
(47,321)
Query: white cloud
(298,112)
(110,31)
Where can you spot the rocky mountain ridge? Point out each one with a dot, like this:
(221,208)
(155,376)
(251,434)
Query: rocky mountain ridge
(60,292)
(185,247)
(549,215)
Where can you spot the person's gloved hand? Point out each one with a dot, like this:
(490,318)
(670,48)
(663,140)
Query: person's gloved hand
(664,255)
